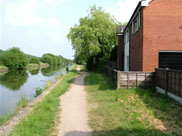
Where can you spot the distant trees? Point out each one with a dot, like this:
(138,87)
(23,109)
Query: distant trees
(34,60)
(14,59)
(54,60)
(94,38)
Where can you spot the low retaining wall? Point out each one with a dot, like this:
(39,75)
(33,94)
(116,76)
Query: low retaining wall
(131,79)
(164,92)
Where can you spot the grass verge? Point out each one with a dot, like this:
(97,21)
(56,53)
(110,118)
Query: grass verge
(133,112)
(41,120)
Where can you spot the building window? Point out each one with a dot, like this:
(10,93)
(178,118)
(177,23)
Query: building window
(136,23)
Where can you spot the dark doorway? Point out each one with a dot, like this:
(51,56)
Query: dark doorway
(171,60)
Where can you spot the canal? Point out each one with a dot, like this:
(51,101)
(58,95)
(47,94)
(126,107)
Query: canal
(17,84)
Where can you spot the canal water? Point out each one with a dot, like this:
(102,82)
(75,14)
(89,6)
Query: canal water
(17,84)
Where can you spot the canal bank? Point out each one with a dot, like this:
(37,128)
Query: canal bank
(30,66)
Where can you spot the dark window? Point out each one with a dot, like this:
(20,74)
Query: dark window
(171,60)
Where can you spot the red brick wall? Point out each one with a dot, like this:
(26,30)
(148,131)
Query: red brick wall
(120,58)
(162,28)
(136,48)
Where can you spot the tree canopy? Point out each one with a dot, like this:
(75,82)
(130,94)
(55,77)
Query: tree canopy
(94,37)
(14,59)
(34,60)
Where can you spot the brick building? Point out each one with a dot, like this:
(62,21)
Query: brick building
(152,37)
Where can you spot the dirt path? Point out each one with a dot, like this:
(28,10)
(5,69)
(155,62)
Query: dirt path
(74,110)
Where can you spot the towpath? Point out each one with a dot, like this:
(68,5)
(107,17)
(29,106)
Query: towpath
(74,110)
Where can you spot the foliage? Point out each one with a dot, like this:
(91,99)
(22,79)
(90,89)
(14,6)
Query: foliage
(14,59)
(128,112)
(94,37)
(38,91)
(53,59)
(14,79)
(41,120)
(34,60)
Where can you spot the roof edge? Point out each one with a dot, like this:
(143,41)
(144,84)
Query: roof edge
(142,3)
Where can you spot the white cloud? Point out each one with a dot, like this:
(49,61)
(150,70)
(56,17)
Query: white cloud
(123,9)
(56,1)
(26,14)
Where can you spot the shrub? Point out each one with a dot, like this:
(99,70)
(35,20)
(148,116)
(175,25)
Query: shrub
(38,91)
(14,59)
(34,60)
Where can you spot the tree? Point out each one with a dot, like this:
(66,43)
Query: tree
(14,59)
(94,37)
(47,59)
(34,60)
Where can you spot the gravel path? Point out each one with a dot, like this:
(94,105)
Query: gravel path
(74,110)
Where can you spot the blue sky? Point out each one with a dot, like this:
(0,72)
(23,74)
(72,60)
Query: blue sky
(41,26)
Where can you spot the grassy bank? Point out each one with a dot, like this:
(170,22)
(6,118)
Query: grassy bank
(133,112)
(41,120)
(3,68)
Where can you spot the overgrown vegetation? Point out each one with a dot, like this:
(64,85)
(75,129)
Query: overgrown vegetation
(94,38)
(133,112)
(14,59)
(40,121)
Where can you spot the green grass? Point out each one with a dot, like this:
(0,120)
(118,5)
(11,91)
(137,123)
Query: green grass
(22,103)
(41,120)
(133,112)
(4,119)
(3,67)
(32,65)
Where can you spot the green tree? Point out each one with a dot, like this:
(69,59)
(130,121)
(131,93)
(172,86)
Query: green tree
(34,60)
(47,59)
(14,59)
(94,37)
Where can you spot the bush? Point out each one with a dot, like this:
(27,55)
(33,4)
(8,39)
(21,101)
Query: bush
(34,60)
(38,91)
(14,59)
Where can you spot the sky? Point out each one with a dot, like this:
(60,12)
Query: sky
(41,26)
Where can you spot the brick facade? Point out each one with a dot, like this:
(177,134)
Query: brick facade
(161,30)
(136,48)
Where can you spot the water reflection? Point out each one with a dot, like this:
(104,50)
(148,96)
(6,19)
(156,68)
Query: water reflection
(14,79)
(34,71)
(49,71)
